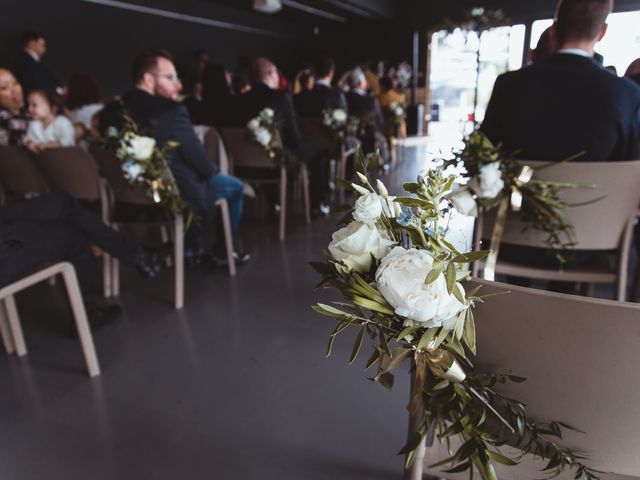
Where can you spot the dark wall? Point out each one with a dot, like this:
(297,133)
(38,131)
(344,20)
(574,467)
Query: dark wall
(86,37)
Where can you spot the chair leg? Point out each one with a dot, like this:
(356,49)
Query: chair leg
(107,278)
(228,237)
(5,330)
(80,317)
(283,202)
(164,236)
(14,324)
(115,277)
(179,261)
(304,174)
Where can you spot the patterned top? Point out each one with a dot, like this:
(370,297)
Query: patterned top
(12,128)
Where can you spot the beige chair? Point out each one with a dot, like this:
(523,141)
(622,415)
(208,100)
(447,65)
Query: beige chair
(11,330)
(74,171)
(580,357)
(247,158)
(605,225)
(19,176)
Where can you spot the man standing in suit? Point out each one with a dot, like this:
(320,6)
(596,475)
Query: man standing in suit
(323,96)
(265,94)
(31,72)
(567,103)
(153,105)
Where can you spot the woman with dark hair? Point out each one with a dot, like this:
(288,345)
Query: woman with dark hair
(216,96)
(84,99)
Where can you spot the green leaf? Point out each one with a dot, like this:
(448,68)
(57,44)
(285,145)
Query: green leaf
(432,276)
(426,337)
(458,292)
(411,188)
(440,338)
(450,277)
(459,468)
(471,256)
(374,162)
(330,311)
(373,306)
(517,379)
(332,339)
(375,356)
(410,202)
(357,345)
(469,335)
(322,268)
(383,343)
(360,161)
(498,457)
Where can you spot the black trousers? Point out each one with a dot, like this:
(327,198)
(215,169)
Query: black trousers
(54,228)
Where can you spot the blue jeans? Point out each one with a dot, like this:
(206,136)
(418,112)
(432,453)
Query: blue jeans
(231,188)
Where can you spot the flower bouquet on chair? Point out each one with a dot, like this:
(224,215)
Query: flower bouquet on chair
(264,129)
(403,288)
(342,125)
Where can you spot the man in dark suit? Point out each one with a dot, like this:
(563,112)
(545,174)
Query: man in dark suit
(567,103)
(265,94)
(323,96)
(152,104)
(360,103)
(31,72)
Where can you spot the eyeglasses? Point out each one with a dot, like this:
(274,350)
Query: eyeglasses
(172,77)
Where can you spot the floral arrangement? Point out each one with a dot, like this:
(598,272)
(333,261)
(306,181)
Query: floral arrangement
(403,289)
(341,124)
(395,114)
(264,129)
(144,163)
(497,180)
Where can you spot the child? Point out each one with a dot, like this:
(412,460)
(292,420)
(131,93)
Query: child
(47,128)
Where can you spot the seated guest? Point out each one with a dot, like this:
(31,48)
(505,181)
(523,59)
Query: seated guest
(359,102)
(633,71)
(217,98)
(546,46)
(13,117)
(31,71)
(305,79)
(390,93)
(84,100)
(153,106)
(193,102)
(567,103)
(55,228)
(47,128)
(265,94)
(240,84)
(323,96)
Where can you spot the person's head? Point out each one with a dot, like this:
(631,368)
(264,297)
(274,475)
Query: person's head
(546,46)
(82,89)
(34,42)
(241,84)
(633,69)
(326,68)
(215,82)
(581,23)
(202,57)
(357,79)
(44,105)
(11,98)
(155,73)
(307,79)
(265,71)
(388,83)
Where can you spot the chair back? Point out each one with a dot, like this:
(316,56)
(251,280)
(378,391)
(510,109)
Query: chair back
(212,141)
(314,131)
(599,225)
(579,356)
(71,170)
(18,173)
(244,152)
(109,166)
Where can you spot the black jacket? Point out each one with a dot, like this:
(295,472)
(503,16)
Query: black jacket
(166,120)
(34,75)
(312,103)
(561,106)
(365,107)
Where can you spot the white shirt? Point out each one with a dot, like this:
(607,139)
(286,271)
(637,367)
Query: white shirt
(33,54)
(85,113)
(322,81)
(575,51)
(60,130)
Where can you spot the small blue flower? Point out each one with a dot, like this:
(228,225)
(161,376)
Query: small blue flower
(406,217)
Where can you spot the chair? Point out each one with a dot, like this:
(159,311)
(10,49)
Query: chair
(74,171)
(579,356)
(11,330)
(605,225)
(260,170)
(214,146)
(19,176)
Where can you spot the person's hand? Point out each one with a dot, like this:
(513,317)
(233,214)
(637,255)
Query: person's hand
(33,147)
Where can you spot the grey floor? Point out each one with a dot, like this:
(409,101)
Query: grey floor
(235,386)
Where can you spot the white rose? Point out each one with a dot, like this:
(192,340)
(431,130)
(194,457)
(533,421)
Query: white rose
(132,170)
(141,148)
(253,124)
(489,183)
(354,245)
(268,113)
(339,115)
(368,208)
(263,137)
(464,203)
(401,281)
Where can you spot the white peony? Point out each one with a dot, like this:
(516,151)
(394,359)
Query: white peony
(263,137)
(253,124)
(141,148)
(464,203)
(267,113)
(401,281)
(489,183)
(368,208)
(339,115)
(356,243)
(132,170)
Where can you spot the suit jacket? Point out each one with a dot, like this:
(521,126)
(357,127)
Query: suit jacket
(261,97)
(34,75)
(635,78)
(166,120)
(365,107)
(311,103)
(561,106)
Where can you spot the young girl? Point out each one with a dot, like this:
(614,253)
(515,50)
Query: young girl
(47,128)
